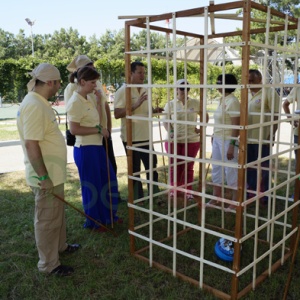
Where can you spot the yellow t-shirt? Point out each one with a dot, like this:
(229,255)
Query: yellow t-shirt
(36,121)
(227,109)
(270,105)
(186,112)
(294,95)
(84,112)
(140,131)
(72,87)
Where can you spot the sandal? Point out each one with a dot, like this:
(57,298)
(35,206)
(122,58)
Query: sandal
(72,248)
(62,270)
(213,203)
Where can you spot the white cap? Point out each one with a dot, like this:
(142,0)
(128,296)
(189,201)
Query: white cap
(181,81)
(43,72)
(78,62)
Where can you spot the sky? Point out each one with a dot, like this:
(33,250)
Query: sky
(92,17)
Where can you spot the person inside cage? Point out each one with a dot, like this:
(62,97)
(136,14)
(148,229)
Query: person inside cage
(182,137)
(263,108)
(224,140)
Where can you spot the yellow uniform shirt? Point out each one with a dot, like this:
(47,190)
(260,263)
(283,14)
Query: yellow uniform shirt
(84,112)
(256,105)
(294,95)
(140,131)
(36,121)
(72,87)
(228,109)
(186,112)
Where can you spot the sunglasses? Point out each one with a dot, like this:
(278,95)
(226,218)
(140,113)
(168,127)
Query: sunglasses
(182,89)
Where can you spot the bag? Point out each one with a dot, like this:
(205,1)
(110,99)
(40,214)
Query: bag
(70,138)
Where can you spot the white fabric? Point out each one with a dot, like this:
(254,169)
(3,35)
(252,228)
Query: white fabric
(43,72)
(78,62)
(219,153)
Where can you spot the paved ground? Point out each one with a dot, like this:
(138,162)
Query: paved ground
(11,154)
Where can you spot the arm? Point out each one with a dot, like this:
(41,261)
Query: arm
(234,134)
(108,114)
(286,109)
(121,112)
(77,129)
(197,130)
(36,159)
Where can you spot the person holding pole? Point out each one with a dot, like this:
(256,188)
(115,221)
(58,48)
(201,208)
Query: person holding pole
(98,180)
(45,164)
(105,118)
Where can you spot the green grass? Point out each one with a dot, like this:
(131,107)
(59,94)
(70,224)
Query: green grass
(104,268)
(8,129)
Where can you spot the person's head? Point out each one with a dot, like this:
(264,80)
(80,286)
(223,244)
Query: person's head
(230,79)
(137,72)
(45,76)
(86,78)
(182,91)
(78,62)
(255,77)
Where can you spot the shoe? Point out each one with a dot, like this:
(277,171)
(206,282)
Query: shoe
(213,203)
(230,208)
(119,221)
(189,197)
(72,248)
(101,229)
(263,203)
(62,270)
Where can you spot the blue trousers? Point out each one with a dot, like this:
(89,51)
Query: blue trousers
(99,186)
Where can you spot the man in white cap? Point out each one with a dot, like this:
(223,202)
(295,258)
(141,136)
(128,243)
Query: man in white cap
(45,163)
(105,118)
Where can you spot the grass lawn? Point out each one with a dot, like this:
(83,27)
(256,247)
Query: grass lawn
(104,268)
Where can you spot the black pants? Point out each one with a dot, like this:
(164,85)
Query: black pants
(137,158)
(111,154)
(107,144)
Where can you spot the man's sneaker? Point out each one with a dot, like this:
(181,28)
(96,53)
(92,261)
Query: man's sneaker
(62,270)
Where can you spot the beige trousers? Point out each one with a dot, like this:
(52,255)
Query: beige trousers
(50,227)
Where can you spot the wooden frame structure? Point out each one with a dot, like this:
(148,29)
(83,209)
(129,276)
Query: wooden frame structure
(263,238)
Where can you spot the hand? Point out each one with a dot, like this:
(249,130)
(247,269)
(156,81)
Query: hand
(46,184)
(197,130)
(142,98)
(230,152)
(98,94)
(105,132)
(296,123)
(158,110)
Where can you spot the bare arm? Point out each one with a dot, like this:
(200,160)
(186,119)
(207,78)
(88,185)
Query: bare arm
(108,115)
(234,134)
(121,112)
(77,129)
(36,159)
